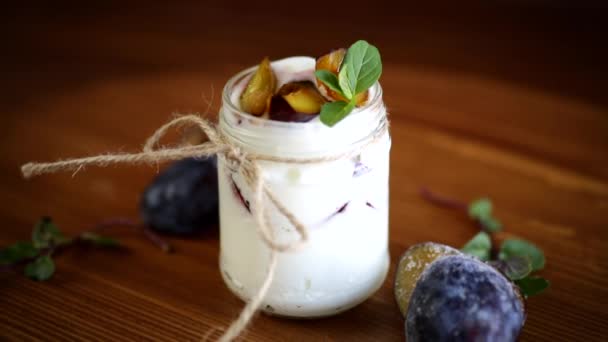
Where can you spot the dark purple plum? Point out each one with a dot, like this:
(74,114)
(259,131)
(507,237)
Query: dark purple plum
(183,199)
(459,298)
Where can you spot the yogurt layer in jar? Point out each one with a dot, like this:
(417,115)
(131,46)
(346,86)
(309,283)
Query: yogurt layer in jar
(342,203)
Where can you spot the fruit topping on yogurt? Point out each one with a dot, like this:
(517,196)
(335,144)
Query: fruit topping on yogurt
(334,85)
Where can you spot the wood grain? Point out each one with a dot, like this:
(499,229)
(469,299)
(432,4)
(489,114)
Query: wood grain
(505,101)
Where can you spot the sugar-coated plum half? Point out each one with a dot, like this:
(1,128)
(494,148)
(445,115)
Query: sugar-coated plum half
(459,298)
(256,97)
(411,265)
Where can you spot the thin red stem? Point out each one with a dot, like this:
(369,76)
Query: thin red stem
(127,222)
(442,201)
(157,240)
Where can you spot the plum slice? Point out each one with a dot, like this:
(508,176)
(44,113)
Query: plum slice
(255,99)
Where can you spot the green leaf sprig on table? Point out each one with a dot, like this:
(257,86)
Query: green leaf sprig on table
(360,69)
(36,256)
(516,258)
(47,239)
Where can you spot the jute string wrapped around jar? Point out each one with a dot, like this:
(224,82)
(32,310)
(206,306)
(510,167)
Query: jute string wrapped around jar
(245,163)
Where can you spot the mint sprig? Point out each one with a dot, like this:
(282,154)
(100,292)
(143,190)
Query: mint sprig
(37,255)
(361,68)
(517,259)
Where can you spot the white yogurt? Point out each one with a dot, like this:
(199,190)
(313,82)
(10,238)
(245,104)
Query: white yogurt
(344,205)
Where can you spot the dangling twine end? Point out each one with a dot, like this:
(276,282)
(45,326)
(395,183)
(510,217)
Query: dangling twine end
(27,170)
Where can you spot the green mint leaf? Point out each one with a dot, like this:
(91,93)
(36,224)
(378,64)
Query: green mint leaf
(515,268)
(99,240)
(491,224)
(531,286)
(330,80)
(481,210)
(522,248)
(518,268)
(479,246)
(348,88)
(364,66)
(18,251)
(333,112)
(46,234)
(40,269)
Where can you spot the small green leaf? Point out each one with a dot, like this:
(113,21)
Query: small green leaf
(40,269)
(522,248)
(518,268)
(515,268)
(47,234)
(364,66)
(333,112)
(481,210)
(330,80)
(348,89)
(479,246)
(531,286)
(491,224)
(18,251)
(99,240)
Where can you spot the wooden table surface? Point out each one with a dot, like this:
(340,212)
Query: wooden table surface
(506,101)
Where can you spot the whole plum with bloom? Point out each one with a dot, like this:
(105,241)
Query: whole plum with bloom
(459,298)
(183,199)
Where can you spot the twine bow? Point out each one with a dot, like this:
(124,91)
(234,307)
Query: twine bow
(245,163)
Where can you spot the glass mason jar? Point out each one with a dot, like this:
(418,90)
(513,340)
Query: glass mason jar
(343,204)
